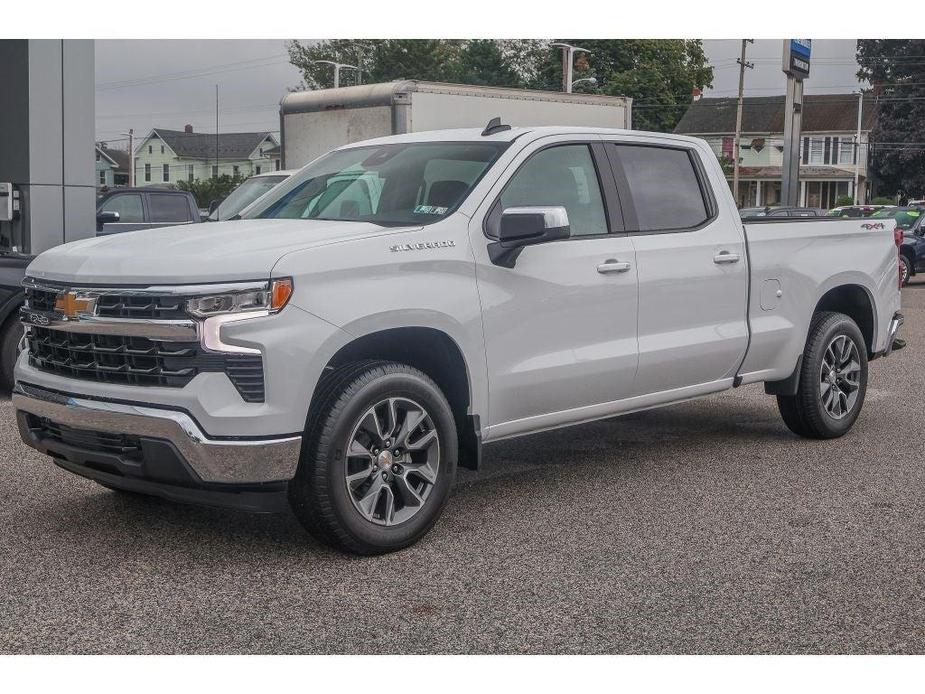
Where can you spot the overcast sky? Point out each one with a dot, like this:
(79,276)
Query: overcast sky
(142,84)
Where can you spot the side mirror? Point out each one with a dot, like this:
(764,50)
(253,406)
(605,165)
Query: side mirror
(214,205)
(527,226)
(107,217)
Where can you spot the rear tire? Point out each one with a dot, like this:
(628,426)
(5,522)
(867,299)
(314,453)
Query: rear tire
(9,351)
(906,269)
(833,379)
(378,458)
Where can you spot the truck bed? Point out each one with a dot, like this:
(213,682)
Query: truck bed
(793,258)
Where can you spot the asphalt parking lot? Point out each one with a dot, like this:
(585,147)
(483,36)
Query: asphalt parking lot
(701,528)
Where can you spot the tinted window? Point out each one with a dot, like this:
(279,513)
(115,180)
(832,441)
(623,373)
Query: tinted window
(664,187)
(168,208)
(560,176)
(128,205)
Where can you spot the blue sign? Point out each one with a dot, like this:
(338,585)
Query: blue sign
(796,57)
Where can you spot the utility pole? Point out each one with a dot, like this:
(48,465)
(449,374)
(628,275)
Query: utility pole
(131,157)
(735,148)
(568,63)
(216,131)
(857,147)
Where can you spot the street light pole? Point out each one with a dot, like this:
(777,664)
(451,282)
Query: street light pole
(337,68)
(590,80)
(568,57)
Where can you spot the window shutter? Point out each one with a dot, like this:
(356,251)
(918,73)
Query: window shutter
(806,150)
(827,152)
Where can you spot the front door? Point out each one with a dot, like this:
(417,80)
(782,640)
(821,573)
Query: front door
(560,326)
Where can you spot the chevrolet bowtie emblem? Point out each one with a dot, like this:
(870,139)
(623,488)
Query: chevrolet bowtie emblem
(72,305)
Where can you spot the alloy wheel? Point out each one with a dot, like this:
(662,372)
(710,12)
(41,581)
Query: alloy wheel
(840,377)
(392,461)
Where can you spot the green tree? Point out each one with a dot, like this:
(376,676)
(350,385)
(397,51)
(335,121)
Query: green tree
(477,61)
(659,74)
(205,191)
(482,61)
(896,72)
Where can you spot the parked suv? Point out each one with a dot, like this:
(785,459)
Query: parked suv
(909,221)
(131,209)
(375,319)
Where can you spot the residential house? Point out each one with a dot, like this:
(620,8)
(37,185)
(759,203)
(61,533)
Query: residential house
(829,153)
(168,156)
(111,166)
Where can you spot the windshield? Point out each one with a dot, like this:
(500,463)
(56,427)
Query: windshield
(905,219)
(396,184)
(244,195)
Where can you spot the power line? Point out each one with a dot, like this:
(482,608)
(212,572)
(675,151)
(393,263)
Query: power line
(191,74)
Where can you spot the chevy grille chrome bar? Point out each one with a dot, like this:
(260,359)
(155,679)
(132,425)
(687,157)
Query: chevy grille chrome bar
(159,330)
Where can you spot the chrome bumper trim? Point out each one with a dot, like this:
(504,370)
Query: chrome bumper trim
(214,460)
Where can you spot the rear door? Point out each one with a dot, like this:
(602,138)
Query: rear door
(168,209)
(692,267)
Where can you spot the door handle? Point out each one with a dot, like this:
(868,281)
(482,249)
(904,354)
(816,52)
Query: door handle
(725,257)
(613,266)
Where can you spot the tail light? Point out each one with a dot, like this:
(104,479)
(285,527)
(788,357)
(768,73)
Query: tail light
(898,240)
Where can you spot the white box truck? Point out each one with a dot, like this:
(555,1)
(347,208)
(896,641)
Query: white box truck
(315,122)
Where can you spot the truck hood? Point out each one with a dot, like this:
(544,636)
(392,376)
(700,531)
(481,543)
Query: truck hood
(194,253)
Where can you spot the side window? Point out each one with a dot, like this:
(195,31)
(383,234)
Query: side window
(561,176)
(168,208)
(663,186)
(128,205)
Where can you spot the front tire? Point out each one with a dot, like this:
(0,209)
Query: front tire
(9,351)
(833,379)
(378,458)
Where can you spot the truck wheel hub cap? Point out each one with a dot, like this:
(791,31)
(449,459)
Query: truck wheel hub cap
(840,377)
(392,461)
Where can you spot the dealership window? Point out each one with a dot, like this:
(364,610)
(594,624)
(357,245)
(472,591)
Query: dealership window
(168,208)
(215,172)
(147,173)
(166,172)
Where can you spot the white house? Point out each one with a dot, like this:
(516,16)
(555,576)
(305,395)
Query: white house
(829,151)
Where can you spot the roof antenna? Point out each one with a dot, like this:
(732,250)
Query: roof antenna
(495,126)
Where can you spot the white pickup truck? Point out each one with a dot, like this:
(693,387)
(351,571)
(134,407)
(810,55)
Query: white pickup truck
(378,317)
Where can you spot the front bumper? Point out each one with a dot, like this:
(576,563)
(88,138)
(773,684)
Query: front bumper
(163,442)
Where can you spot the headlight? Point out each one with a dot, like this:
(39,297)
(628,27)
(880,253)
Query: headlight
(271,296)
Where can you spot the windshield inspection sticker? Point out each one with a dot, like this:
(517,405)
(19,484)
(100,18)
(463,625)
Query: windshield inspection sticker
(429,209)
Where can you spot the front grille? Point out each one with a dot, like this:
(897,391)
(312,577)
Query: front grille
(127,305)
(139,361)
(125,446)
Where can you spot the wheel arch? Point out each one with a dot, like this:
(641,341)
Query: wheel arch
(438,355)
(856,302)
